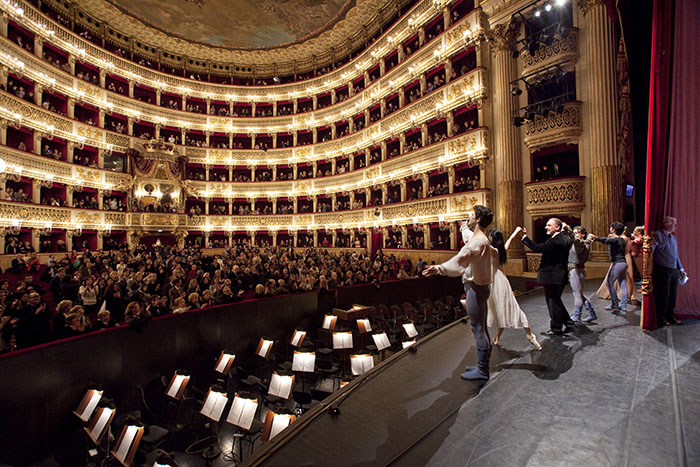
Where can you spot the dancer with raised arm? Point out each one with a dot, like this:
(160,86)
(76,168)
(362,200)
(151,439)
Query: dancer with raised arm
(553,271)
(578,256)
(504,310)
(617,249)
(474,264)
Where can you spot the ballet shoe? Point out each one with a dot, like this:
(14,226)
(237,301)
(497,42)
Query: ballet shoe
(533,341)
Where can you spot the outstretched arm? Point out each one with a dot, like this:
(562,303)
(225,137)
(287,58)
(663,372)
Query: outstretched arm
(511,238)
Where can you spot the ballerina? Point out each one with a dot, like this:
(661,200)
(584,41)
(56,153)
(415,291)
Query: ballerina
(504,311)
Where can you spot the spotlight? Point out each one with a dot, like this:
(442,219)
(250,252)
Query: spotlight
(276,79)
(515,91)
(547,6)
(518,121)
(538,13)
(560,2)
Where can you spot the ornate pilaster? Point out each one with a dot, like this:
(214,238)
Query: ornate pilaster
(606,171)
(507,153)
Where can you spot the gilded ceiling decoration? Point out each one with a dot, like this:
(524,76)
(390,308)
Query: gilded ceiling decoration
(240,24)
(344,19)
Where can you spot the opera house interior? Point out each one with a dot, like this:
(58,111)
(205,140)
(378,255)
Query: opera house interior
(217,219)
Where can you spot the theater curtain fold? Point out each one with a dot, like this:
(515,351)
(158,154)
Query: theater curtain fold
(683,166)
(673,141)
(657,135)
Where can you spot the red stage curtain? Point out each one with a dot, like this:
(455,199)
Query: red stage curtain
(657,137)
(682,187)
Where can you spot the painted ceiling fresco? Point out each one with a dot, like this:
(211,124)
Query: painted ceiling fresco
(247,24)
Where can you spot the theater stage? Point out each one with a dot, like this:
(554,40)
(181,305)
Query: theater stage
(609,394)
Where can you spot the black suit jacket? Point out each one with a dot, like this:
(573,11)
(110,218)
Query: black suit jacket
(555,257)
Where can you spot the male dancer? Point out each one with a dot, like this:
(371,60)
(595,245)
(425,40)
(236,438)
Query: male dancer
(578,255)
(475,262)
(618,272)
(553,271)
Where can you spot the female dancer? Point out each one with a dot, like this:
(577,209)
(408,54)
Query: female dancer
(504,311)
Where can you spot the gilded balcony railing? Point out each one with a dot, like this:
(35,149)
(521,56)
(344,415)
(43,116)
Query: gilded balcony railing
(555,128)
(558,196)
(564,48)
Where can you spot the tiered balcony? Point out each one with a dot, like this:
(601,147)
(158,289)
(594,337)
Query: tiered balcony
(557,196)
(564,48)
(555,128)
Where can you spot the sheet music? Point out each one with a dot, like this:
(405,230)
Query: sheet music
(214,405)
(101,422)
(90,407)
(128,438)
(405,344)
(280,386)
(381,341)
(360,364)
(328,321)
(410,329)
(265,348)
(298,336)
(279,423)
(304,361)
(342,340)
(223,362)
(365,323)
(175,387)
(242,412)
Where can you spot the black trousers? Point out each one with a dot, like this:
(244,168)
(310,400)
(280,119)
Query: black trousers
(665,282)
(557,311)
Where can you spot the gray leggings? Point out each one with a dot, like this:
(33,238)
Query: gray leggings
(577,279)
(617,273)
(477,310)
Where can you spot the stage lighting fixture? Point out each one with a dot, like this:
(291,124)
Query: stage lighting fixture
(547,6)
(538,13)
(515,91)
(518,121)
(560,2)
(514,54)
(276,79)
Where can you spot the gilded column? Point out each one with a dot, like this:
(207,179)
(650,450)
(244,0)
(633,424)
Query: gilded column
(507,142)
(606,173)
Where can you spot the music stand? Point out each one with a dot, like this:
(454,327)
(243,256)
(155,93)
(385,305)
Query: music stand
(212,408)
(410,329)
(405,344)
(242,415)
(274,424)
(361,363)
(223,366)
(297,338)
(128,444)
(381,341)
(178,384)
(99,424)
(304,362)
(329,322)
(88,403)
(281,386)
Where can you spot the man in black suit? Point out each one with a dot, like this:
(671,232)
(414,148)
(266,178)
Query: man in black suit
(553,273)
